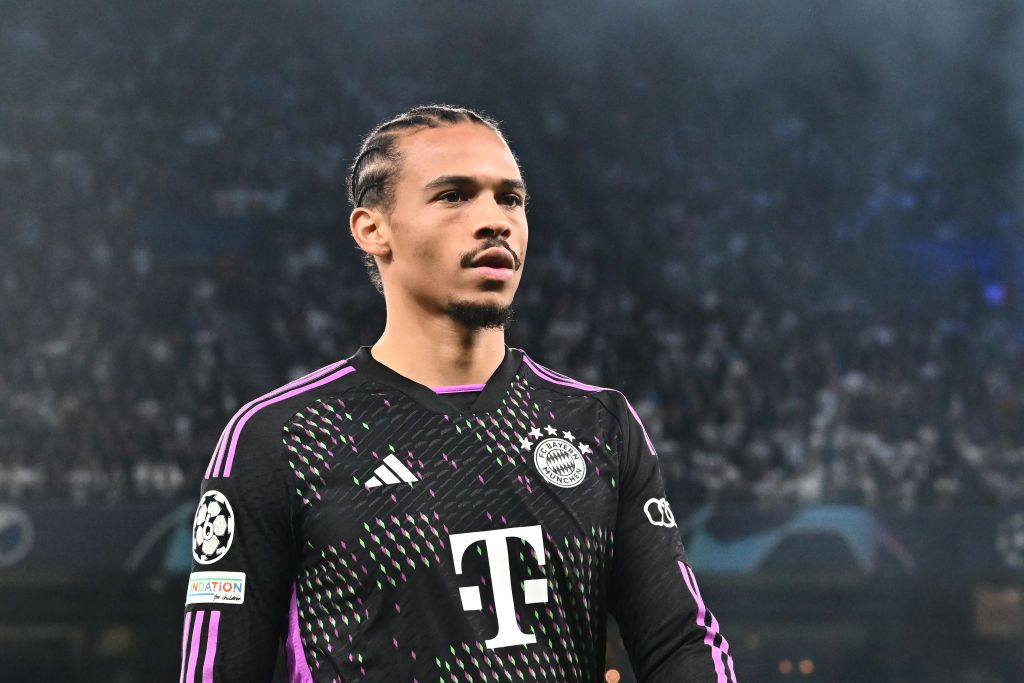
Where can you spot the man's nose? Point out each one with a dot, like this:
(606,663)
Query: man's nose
(495,230)
(494,221)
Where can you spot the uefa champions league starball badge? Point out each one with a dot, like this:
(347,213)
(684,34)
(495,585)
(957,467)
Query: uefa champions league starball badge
(557,458)
(213,528)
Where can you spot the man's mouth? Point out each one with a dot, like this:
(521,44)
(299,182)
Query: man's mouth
(496,263)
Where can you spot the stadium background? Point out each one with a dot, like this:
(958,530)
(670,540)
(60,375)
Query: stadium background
(789,231)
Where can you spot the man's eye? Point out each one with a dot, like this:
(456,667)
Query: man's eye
(450,193)
(516,199)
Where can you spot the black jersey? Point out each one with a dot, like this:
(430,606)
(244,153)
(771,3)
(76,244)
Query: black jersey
(387,531)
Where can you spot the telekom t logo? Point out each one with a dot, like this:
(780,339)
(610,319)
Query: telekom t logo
(535,590)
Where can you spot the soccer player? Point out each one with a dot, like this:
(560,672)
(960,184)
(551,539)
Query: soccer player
(439,506)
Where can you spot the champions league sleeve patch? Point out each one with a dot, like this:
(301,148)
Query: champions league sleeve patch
(213,528)
(216,587)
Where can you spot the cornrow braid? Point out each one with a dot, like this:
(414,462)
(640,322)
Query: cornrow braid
(372,175)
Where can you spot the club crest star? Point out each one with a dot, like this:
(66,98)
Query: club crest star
(535,433)
(550,430)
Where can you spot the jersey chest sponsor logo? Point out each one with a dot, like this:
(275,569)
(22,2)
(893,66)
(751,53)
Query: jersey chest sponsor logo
(213,528)
(216,587)
(557,458)
(535,590)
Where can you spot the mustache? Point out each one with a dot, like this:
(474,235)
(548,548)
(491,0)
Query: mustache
(467,259)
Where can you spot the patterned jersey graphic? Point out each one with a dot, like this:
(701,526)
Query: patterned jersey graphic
(385,534)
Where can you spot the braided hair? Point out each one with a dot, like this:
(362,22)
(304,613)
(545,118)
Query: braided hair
(372,175)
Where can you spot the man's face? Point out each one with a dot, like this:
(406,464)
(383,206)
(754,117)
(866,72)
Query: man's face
(458,231)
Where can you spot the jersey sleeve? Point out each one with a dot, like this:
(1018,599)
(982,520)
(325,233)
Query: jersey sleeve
(237,601)
(668,630)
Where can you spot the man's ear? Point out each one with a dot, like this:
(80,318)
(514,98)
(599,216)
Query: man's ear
(370,231)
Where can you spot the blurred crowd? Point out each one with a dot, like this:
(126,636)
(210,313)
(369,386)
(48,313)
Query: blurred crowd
(738,259)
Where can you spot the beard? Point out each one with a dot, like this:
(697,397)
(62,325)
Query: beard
(475,315)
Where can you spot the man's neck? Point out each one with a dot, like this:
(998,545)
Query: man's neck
(438,351)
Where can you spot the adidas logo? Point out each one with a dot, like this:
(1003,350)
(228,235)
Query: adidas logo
(387,476)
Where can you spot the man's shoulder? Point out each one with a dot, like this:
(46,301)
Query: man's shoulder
(282,402)
(614,400)
(611,397)
(258,423)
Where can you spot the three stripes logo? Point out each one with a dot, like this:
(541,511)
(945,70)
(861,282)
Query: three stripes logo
(391,471)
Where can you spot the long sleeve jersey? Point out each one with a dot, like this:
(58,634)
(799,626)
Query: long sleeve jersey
(383,532)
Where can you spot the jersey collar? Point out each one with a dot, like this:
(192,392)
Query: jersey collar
(489,398)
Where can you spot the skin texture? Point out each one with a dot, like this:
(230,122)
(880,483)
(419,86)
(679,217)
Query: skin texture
(443,317)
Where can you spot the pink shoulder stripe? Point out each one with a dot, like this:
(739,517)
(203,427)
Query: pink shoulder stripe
(213,469)
(556,378)
(271,401)
(552,376)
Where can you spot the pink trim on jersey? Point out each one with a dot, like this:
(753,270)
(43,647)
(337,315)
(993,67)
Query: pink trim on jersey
(552,376)
(636,417)
(216,450)
(211,646)
(556,378)
(457,388)
(193,655)
(213,469)
(184,644)
(718,653)
(276,399)
(298,667)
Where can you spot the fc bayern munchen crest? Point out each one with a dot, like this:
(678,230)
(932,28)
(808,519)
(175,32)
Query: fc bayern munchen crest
(557,458)
(213,528)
